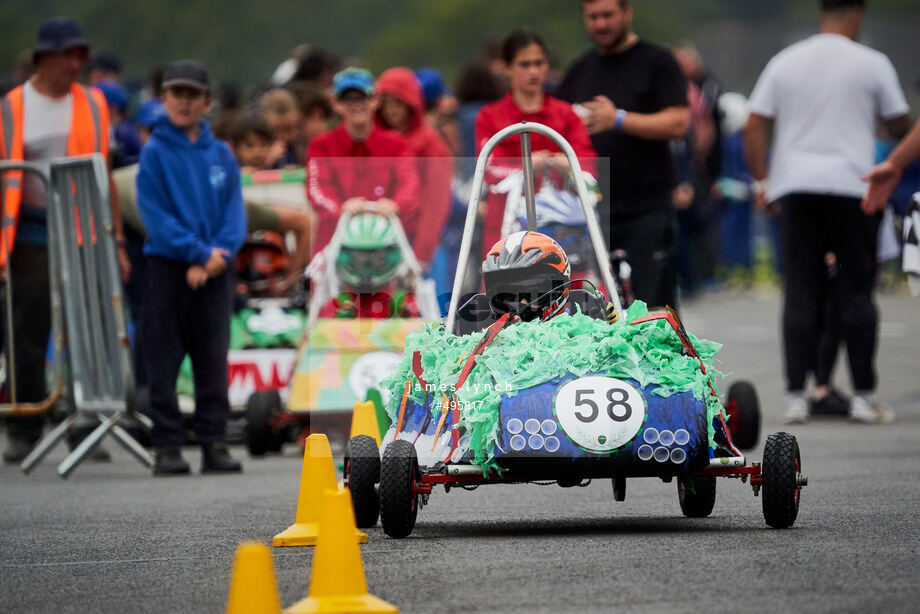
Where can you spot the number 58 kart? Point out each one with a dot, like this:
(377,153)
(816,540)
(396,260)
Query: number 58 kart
(535,380)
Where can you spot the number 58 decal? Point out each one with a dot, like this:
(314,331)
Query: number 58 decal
(599,413)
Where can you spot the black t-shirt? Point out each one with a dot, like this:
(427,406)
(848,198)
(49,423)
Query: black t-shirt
(644,79)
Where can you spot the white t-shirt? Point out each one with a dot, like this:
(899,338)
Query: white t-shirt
(45,131)
(825,95)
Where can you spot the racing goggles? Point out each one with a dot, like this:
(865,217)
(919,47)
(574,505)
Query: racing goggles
(529,298)
(369,260)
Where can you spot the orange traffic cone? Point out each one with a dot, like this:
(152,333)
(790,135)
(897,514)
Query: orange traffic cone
(253,589)
(364,421)
(317,476)
(337,583)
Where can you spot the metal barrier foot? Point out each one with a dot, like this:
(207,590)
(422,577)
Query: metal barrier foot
(46,444)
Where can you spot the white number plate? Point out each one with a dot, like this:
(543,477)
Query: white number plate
(599,413)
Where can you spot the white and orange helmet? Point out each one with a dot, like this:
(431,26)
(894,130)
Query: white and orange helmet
(527,274)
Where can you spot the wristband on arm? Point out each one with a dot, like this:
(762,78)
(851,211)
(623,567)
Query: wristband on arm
(621,117)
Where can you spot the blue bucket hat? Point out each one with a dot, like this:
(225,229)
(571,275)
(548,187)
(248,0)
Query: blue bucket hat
(353,79)
(58,34)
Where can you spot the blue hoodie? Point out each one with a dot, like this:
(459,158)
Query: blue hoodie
(189,195)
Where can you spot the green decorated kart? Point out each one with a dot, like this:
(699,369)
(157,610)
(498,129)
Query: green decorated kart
(481,400)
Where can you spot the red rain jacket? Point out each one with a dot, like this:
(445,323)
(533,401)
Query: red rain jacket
(433,159)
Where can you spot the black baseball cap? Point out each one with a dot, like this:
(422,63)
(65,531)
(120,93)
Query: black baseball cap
(186,73)
(58,34)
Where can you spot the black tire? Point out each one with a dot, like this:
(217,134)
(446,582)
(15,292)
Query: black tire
(362,473)
(699,502)
(780,489)
(262,409)
(398,501)
(744,415)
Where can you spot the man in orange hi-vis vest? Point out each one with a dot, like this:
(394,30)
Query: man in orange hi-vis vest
(50,116)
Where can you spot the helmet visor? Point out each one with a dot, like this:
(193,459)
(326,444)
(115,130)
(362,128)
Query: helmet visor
(526,298)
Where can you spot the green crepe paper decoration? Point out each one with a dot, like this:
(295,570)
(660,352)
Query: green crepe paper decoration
(526,354)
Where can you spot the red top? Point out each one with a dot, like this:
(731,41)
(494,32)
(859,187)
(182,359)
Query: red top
(339,168)
(506,157)
(433,159)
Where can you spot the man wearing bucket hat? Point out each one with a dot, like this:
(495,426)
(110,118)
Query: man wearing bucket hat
(49,116)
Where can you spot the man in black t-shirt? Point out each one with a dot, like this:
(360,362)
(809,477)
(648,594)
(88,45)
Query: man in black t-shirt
(633,98)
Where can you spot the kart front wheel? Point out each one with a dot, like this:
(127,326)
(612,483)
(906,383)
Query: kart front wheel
(398,498)
(697,495)
(782,466)
(262,411)
(362,473)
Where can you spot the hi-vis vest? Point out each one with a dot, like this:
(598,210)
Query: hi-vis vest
(89,133)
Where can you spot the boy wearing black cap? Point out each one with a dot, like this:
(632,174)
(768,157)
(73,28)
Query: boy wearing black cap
(189,196)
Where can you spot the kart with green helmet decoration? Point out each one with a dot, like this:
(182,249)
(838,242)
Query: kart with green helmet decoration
(536,381)
(367,295)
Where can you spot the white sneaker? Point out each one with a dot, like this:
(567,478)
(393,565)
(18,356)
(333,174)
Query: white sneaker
(796,409)
(868,411)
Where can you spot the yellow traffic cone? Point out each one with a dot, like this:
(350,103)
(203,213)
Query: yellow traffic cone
(364,421)
(253,589)
(317,476)
(337,583)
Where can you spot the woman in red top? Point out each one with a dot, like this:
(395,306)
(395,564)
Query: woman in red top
(526,56)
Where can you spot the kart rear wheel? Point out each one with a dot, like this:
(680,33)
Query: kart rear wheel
(780,489)
(743,415)
(262,410)
(398,499)
(362,473)
(698,502)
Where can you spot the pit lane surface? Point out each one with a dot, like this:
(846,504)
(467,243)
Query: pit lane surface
(113,539)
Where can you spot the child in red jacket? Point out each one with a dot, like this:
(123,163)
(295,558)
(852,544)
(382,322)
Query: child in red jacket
(358,167)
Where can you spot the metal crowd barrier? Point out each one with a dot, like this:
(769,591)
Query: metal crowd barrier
(84,265)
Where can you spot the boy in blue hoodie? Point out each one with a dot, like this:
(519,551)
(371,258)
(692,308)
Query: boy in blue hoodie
(189,197)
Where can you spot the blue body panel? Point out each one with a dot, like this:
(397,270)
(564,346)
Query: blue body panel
(546,440)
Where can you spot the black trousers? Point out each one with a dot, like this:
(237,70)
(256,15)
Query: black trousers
(813,225)
(650,241)
(32,328)
(177,321)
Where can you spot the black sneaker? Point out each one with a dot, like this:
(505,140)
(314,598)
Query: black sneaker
(169,461)
(215,458)
(17,450)
(832,404)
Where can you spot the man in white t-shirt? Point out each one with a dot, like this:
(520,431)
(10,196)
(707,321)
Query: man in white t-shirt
(825,96)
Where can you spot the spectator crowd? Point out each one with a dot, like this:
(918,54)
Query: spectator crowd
(679,165)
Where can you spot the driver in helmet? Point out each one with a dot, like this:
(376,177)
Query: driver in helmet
(527,274)
(367,265)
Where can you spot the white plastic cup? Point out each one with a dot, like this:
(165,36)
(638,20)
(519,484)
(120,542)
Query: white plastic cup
(662,455)
(548,427)
(457,455)
(515,426)
(532,426)
(678,456)
(535,441)
(666,437)
(650,435)
(551,444)
(518,442)
(681,437)
(645,452)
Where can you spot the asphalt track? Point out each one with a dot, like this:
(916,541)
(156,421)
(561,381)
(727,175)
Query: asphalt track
(113,539)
